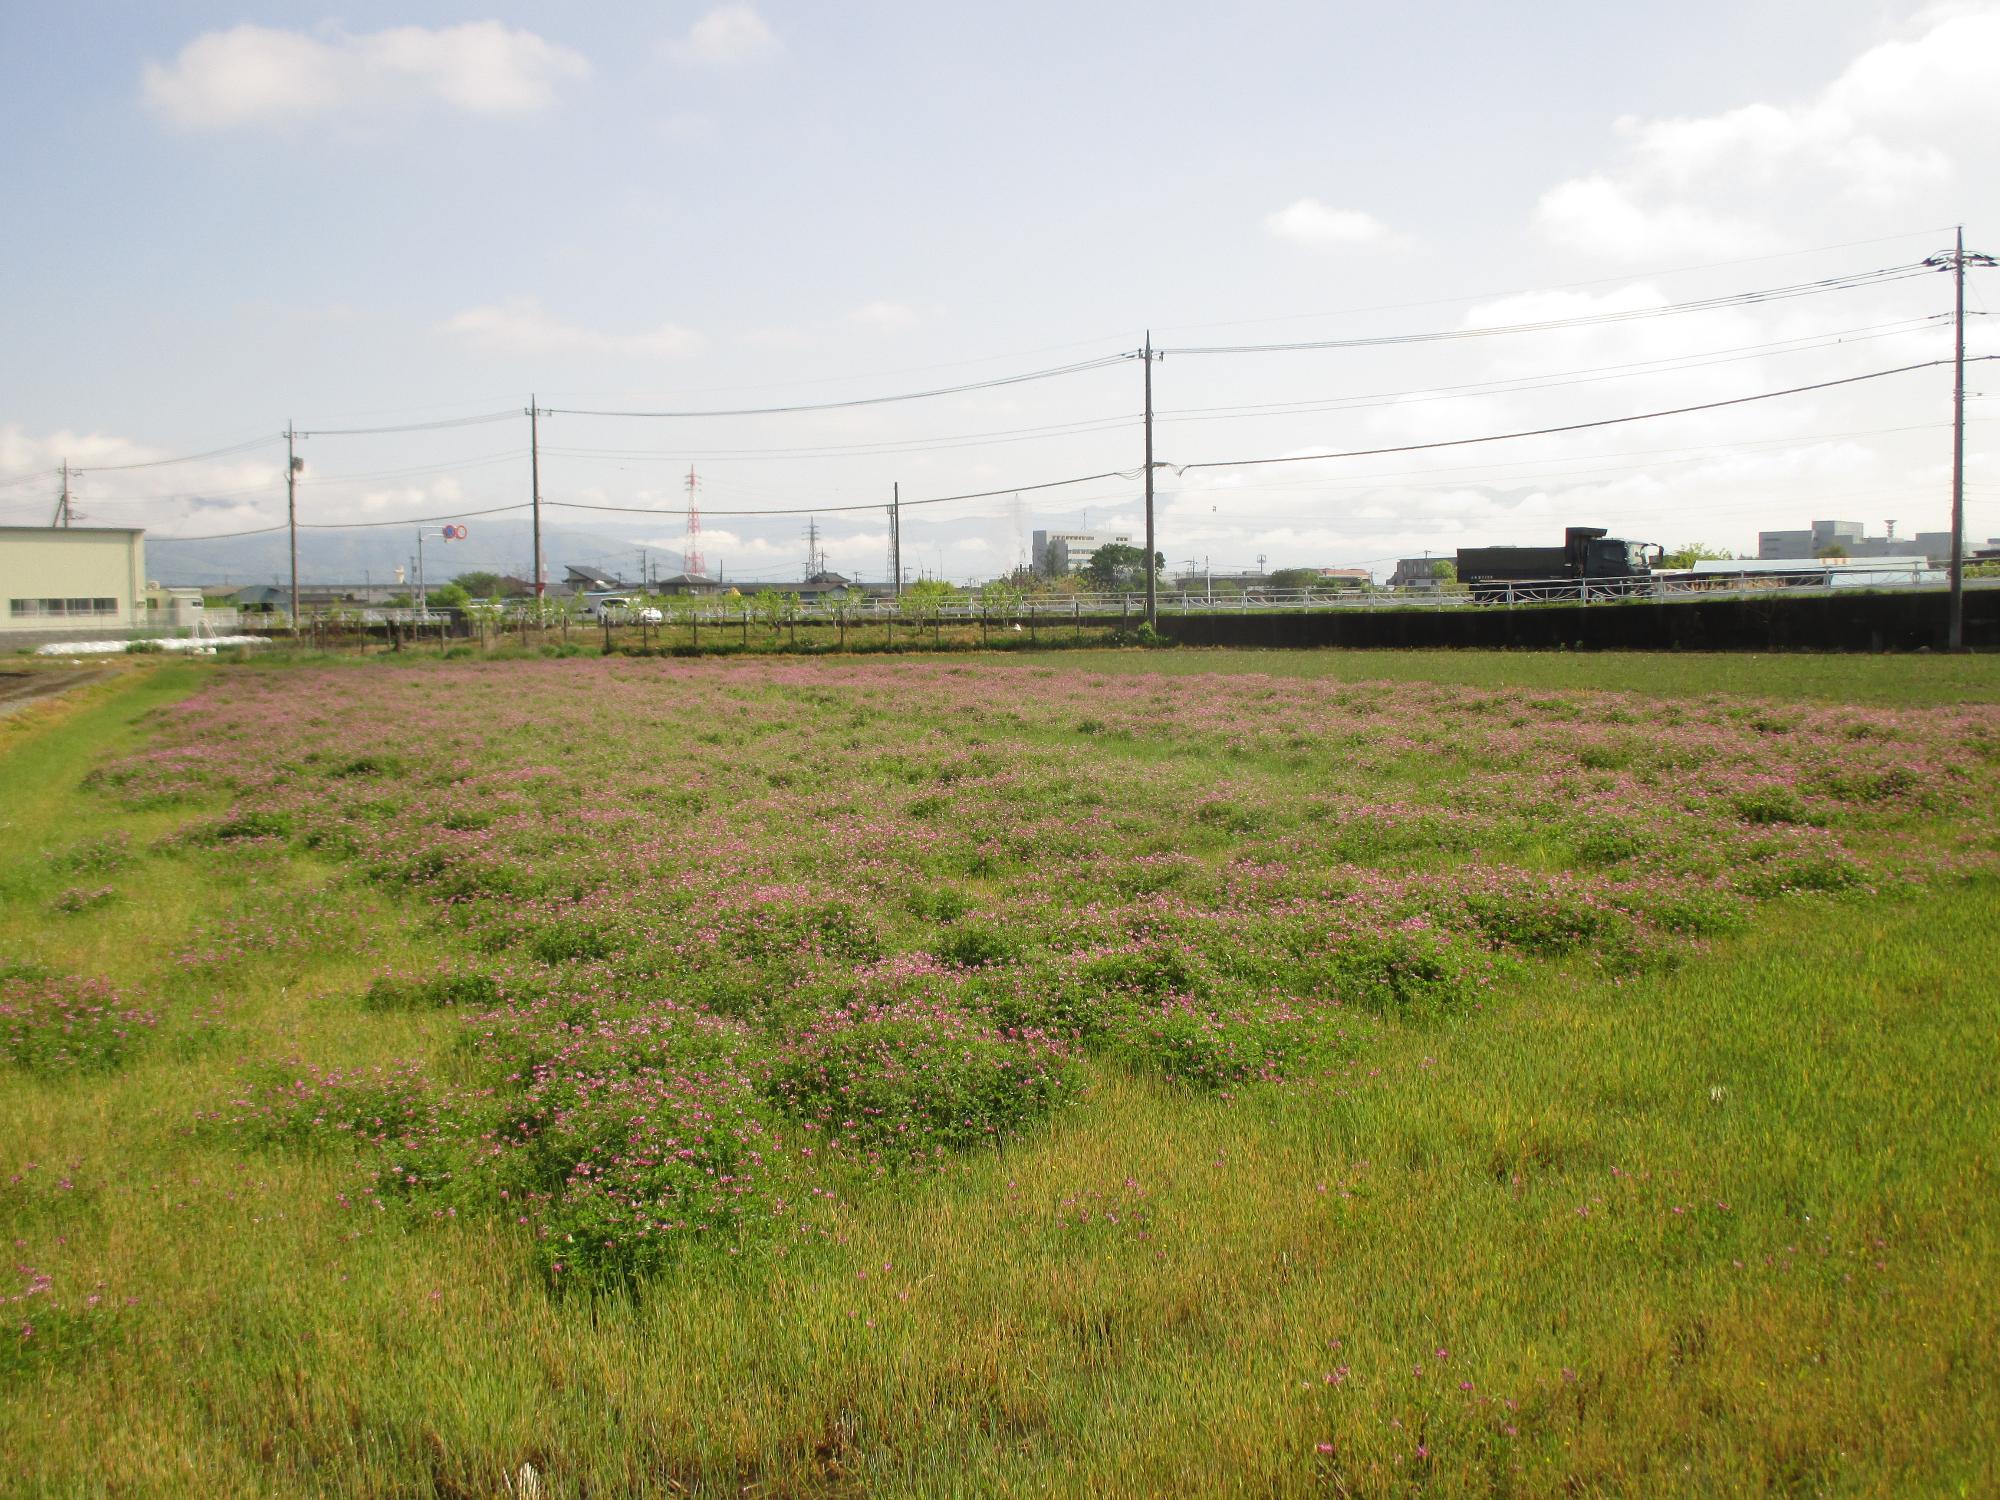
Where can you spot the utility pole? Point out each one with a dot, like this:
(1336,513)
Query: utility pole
(896,536)
(292,516)
(1955,627)
(1955,610)
(535,486)
(62,500)
(1152,582)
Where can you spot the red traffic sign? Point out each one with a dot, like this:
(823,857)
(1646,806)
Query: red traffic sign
(454,533)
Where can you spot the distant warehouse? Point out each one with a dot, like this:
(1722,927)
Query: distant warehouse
(58,578)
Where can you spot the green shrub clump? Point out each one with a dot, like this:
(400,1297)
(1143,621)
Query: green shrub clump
(56,1025)
(910,1083)
(395,992)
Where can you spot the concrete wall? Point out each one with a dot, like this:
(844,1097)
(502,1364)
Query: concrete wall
(1852,622)
(71,562)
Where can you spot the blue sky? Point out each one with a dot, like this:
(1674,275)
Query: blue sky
(222,218)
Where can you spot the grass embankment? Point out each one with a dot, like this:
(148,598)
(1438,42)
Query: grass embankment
(1725,1224)
(1887,681)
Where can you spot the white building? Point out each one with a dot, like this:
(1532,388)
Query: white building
(56,578)
(1060,552)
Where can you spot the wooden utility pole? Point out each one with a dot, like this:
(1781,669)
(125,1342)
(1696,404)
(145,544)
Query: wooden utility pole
(292,516)
(1955,607)
(535,491)
(1152,582)
(1955,629)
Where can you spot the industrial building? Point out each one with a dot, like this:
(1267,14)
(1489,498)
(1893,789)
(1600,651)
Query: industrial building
(1853,541)
(1060,552)
(70,578)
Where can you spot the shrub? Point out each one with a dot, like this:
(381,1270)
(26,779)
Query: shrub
(1403,971)
(378,764)
(319,1107)
(79,898)
(1211,1049)
(251,825)
(1547,922)
(1152,972)
(393,992)
(1810,871)
(974,945)
(58,1025)
(1607,844)
(908,1083)
(1772,804)
(102,855)
(942,904)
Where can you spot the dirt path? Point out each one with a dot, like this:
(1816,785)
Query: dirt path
(19,689)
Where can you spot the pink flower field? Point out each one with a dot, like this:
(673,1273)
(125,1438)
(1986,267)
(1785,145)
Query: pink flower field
(721,929)
(947,1075)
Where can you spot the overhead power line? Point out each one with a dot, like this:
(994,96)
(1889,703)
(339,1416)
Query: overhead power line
(1099,363)
(456,515)
(1582,320)
(1554,379)
(246,446)
(1625,277)
(823,510)
(1498,437)
(437,426)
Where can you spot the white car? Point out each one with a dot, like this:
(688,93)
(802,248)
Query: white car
(649,616)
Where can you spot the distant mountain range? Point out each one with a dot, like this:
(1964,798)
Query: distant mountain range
(505,547)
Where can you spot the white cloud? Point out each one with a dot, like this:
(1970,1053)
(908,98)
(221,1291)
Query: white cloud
(521,326)
(1310,222)
(887,317)
(727,35)
(445,491)
(248,74)
(1603,216)
(1891,127)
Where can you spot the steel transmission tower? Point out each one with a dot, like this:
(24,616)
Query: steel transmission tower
(691,562)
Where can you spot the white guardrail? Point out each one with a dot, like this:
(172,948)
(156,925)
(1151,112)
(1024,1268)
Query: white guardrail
(719,610)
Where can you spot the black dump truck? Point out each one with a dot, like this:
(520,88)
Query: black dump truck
(1587,555)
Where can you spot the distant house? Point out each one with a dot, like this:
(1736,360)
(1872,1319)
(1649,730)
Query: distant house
(261,599)
(1425,574)
(688,583)
(818,586)
(584,580)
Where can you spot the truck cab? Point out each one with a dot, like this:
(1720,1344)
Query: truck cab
(1593,554)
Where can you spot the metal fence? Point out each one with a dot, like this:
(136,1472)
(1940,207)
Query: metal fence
(1131,605)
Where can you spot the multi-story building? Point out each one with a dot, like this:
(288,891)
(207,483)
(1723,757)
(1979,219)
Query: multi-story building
(1852,538)
(1060,552)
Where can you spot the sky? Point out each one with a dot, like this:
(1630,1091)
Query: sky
(222,220)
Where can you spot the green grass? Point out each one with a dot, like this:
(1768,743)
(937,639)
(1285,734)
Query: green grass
(1725,1227)
(1889,681)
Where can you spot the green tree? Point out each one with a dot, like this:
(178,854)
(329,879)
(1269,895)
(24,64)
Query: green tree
(1831,551)
(769,605)
(449,596)
(1116,566)
(479,584)
(1689,553)
(1001,598)
(927,596)
(1294,578)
